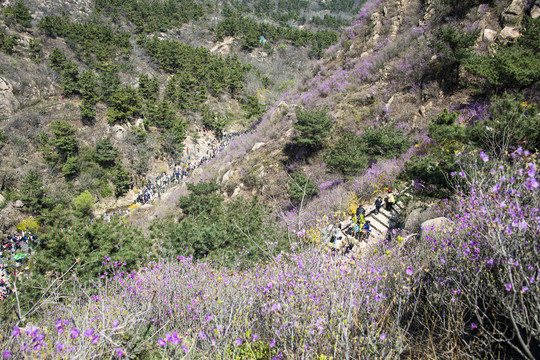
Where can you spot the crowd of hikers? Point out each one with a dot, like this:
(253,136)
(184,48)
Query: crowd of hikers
(192,159)
(15,249)
(344,236)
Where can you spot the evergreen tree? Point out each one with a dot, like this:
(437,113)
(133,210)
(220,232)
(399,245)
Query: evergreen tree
(7,42)
(88,112)
(164,115)
(313,128)
(121,180)
(88,87)
(148,88)
(70,169)
(125,103)
(32,193)
(455,47)
(348,155)
(64,138)
(18,13)
(57,60)
(105,153)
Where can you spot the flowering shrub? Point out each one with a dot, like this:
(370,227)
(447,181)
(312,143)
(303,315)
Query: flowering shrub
(310,304)
(482,283)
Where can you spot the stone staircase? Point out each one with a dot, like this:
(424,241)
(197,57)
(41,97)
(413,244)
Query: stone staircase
(384,220)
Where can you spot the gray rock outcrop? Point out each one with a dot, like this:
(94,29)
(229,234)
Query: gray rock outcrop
(513,14)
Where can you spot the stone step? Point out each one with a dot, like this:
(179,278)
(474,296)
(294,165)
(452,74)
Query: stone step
(381,224)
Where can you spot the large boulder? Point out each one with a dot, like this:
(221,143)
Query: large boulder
(535,10)
(489,35)
(434,227)
(513,14)
(509,34)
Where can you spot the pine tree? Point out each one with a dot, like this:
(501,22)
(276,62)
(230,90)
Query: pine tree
(105,154)
(32,193)
(313,128)
(64,138)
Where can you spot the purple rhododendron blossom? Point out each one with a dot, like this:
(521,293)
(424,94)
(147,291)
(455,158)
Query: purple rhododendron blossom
(508,287)
(74,333)
(484,156)
(15,332)
(409,271)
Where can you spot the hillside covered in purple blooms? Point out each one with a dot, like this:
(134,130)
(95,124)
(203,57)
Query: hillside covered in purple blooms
(261,134)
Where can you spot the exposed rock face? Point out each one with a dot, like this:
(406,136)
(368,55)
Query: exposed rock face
(8,102)
(19,204)
(2,199)
(10,216)
(78,9)
(513,14)
(535,10)
(509,34)
(257,146)
(489,35)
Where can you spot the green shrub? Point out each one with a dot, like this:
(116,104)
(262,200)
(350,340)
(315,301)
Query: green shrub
(218,230)
(86,246)
(512,65)
(512,123)
(301,188)
(347,155)
(29,224)
(84,204)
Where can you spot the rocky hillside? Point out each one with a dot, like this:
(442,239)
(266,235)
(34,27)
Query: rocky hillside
(82,65)
(393,71)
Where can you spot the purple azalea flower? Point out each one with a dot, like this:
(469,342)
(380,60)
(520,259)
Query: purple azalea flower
(59,346)
(272,343)
(462,174)
(409,271)
(382,337)
(119,352)
(16,331)
(115,324)
(89,333)
(255,337)
(473,326)
(162,342)
(60,329)
(95,339)
(508,287)
(32,331)
(238,342)
(484,156)
(74,333)
(524,289)
(6,354)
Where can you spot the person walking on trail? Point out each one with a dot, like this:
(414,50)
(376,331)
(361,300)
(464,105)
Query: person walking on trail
(366,229)
(360,211)
(390,200)
(378,205)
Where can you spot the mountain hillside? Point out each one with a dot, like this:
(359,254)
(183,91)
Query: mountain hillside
(269,179)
